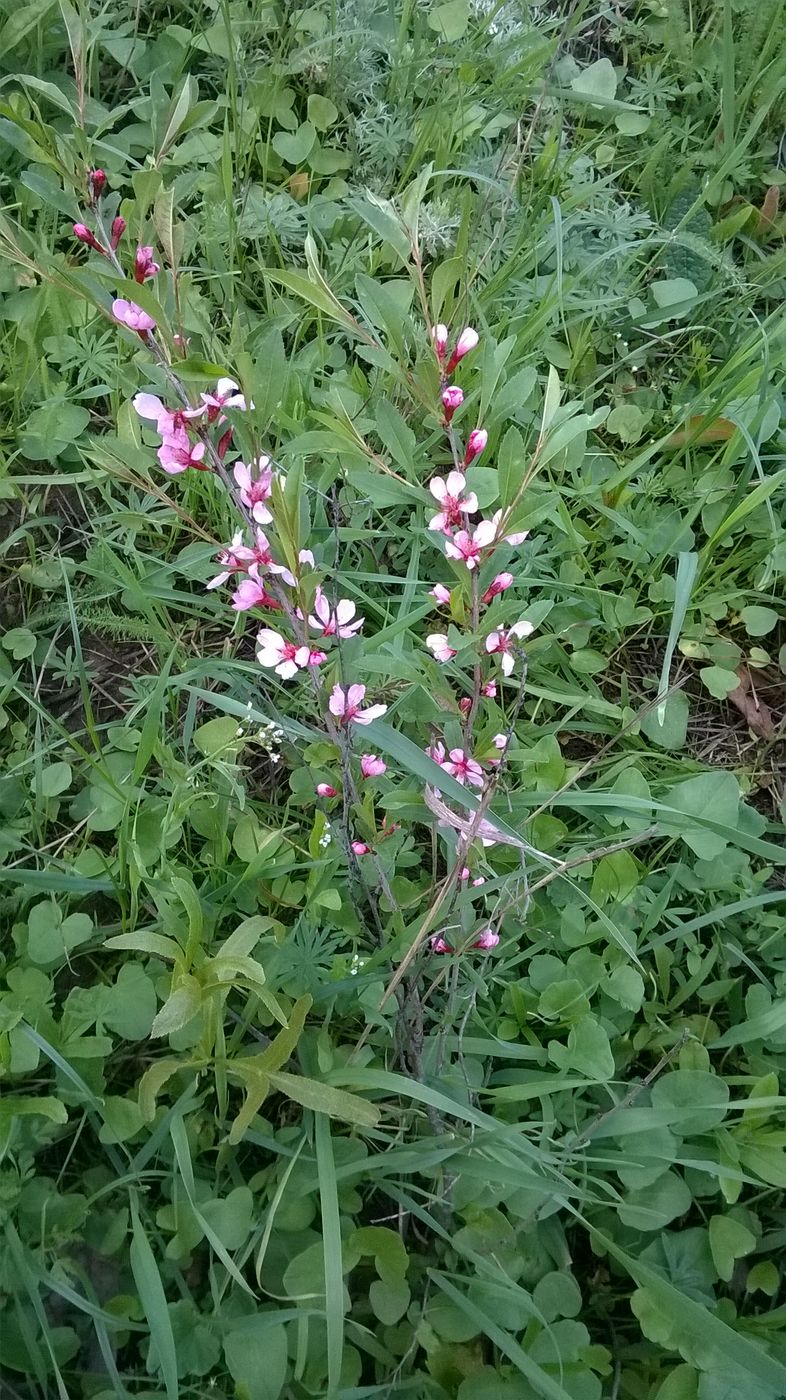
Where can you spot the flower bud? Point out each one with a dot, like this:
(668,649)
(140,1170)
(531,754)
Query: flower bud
(465,705)
(117,230)
(475,444)
(82,232)
(439,335)
(326,790)
(452,398)
(360,848)
(497,585)
(96,183)
(441,593)
(466,342)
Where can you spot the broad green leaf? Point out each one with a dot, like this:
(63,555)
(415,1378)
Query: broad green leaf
(180,1007)
(450,20)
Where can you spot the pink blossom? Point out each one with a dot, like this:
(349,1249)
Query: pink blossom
(360,848)
(452,398)
(306,557)
(487,939)
(315,657)
(517,538)
(479,880)
(274,650)
(500,741)
(116,233)
(503,642)
(132,316)
(335,622)
(439,644)
(345,705)
(490,690)
(465,872)
(371,766)
(254,491)
(463,768)
(465,705)
(469,547)
(441,593)
(452,504)
(436,751)
(439,335)
(227,395)
(82,232)
(144,266)
(263,557)
(177,453)
(497,585)
(475,444)
(251,593)
(438,944)
(466,342)
(96,183)
(234,559)
(326,790)
(167,420)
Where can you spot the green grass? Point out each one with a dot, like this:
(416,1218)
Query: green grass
(257,1140)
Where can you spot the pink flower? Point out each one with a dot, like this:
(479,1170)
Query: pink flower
(326,790)
(514,539)
(490,690)
(274,650)
(251,593)
(463,768)
(475,444)
(227,395)
(315,658)
(452,398)
(503,642)
(441,593)
(468,548)
(487,939)
(360,848)
(144,267)
(335,622)
(465,872)
(167,420)
(234,559)
(132,316)
(439,335)
(497,585)
(438,643)
(263,558)
(438,944)
(436,751)
(116,233)
(452,504)
(82,232)
(371,766)
(345,705)
(466,342)
(96,183)
(500,741)
(254,491)
(306,557)
(177,453)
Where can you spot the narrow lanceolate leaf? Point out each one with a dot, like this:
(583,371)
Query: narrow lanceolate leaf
(152,1297)
(323,1098)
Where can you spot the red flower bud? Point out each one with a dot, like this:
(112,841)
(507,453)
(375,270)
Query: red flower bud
(465,705)
(82,232)
(96,183)
(223,443)
(117,231)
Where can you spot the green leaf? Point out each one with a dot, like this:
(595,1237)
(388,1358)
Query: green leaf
(154,1305)
(323,1098)
(627,422)
(587,1052)
(632,123)
(598,80)
(702,1098)
(56,778)
(256,1354)
(715,794)
(730,1240)
(179,1008)
(322,113)
(652,1207)
(450,20)
(718,681)
(294,146)
(50,936)
(219,738)
(122,1119)
(673,291)
(759,621)
(20,642)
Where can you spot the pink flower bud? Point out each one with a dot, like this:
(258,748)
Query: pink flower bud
(497,585)
(465,872)
(487,939)
(466,342)
(82,232)
(439,945)
(144,266)
(96,183)
(465,705)
(326,790)
(117,230)
(475,444)
(360,848)
(223,442)
(371,766)
(182,342)
(131,315)
(452,398)
(490,690)
(441,593)
(439,335)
